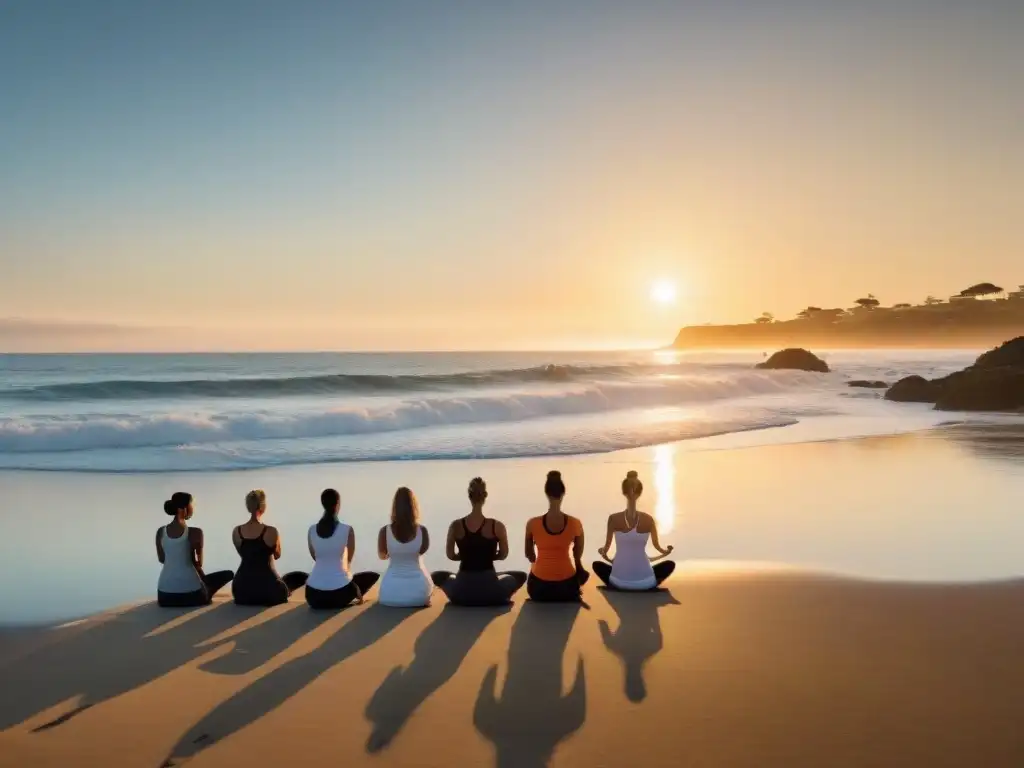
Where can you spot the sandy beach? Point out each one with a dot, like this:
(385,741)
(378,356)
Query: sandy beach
(849,603)
(739,669)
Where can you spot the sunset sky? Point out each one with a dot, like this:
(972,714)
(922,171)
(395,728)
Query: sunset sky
(432,175)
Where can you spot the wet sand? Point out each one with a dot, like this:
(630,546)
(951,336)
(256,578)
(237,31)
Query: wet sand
(741,668)
(937,505)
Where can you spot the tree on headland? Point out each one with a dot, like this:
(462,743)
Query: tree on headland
(869,302)
(931,301)
(765,318)
(807,314)
(981,289)
(902,306)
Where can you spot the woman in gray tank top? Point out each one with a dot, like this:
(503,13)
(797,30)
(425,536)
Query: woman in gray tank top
(179,548)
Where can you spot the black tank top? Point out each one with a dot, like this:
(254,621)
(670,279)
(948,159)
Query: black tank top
(256,580)
(476,551)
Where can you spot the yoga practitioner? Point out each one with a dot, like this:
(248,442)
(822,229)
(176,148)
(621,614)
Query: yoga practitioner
(179,548)
(259,545)
(555,576)
(406,583)
(332,545)
(631,529)
(475,542)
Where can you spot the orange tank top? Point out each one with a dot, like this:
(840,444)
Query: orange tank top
(554,550)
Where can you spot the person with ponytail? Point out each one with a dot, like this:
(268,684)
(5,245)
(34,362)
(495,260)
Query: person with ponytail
(475,542)
(556,575)
(631,569)
(179,548)
(259,545)
(332,545)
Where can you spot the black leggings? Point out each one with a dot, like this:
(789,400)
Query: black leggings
(479,588)
(268,593)
(211,583)
(662,571)
(567,591)
(332,599)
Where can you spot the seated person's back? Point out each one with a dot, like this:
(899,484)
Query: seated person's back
(256,582)
(406,583)
(476,542)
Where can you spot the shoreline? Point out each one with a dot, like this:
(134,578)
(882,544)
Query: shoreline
(901,507)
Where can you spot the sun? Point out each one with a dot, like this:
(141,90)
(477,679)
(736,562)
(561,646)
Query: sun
(663,292)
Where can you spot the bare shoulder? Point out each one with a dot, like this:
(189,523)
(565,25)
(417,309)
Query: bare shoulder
(195,534)
(499,527)
(456,529)
(646,522)
(615,520)
(270,535)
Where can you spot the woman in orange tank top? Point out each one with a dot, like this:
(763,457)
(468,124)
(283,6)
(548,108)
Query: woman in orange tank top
(554,544)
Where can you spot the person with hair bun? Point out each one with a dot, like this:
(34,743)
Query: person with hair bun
(631,569)
(555,576)
(475,542)
(332,545)
(179,548)
(259,545)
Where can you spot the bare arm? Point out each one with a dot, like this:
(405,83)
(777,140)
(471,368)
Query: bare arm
(426,540)
(351,545)
(195,539)
(577,548)
(609,537)
(309,545)
(274,542)
(236,538)
(449,545)
(382,544)
(531,547)
(502,536)
(657,544)
(159,546)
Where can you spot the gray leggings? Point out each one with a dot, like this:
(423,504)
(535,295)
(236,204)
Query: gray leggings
(479,588)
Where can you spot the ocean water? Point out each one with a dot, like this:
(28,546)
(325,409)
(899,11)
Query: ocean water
(180,413)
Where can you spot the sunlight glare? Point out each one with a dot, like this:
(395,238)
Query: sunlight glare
(665,487)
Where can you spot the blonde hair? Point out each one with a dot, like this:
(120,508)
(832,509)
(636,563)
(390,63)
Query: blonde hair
(255,501)
(405,514)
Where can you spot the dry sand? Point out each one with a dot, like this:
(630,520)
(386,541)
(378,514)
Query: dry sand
(726,669)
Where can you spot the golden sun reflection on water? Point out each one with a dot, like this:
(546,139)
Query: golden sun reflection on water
(665,488)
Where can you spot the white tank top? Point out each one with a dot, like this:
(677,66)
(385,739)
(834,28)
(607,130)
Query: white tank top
(406,583)
(178,574)
(330,567)
(631,568)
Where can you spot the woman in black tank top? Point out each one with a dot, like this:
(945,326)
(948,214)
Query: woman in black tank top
(256,582)
(476,542)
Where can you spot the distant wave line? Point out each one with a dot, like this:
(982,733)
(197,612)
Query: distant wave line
(338,383)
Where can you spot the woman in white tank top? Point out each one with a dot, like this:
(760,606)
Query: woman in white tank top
(332,544)
(631,569)
(406,583)
(179,549)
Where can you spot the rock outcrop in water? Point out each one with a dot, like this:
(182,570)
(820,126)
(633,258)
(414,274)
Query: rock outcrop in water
(994,383)
(864,384)
(795,359)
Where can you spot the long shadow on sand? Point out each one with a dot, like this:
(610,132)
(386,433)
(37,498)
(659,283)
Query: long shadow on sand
(273,689)
(532,716)
(439,651)
(131,648)
(638,637)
